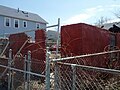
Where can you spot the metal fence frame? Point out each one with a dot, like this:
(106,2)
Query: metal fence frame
(82,67)
(47,75)
(27,71)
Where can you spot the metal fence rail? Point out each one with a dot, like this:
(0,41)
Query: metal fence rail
(87,55)
(91,68)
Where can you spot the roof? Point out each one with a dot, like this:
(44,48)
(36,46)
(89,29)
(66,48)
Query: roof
(109,25)
(16,13)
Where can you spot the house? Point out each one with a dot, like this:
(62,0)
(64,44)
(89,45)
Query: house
(52,35)
(16,20)
(110,24)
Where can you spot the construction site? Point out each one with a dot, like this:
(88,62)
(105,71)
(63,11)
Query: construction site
(85,57)
(70,53)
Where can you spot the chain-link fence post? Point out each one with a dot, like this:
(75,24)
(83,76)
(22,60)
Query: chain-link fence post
(28,70)
(56,76)
(9,70)
(55,63)
(73,76)
(58,36)
(47,72)
(25,69)
(12,74)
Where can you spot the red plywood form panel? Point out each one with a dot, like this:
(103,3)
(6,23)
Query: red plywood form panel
(94,39)
(81,38)
(69,36)
(40,53)
(78,39)
(118,40)
(38,56)
(38,50)
(16,41)
(40,35)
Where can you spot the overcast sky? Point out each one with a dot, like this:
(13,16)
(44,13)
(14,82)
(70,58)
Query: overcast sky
(69,11)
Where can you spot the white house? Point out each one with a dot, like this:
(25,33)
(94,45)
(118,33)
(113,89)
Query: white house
(110,23)
(52,35)
(16,20)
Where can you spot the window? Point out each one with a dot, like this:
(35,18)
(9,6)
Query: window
(24,23)
(37,25)
(7,22)
(50,35)
(16,23)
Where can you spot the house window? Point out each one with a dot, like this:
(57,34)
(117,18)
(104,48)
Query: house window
(24,23)
(16,23)
(7,21)
(37,25)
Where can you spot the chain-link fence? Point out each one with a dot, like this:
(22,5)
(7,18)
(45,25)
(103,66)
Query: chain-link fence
(21,76)
(70,73)
(99,71)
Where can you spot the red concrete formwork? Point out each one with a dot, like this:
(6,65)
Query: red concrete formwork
(118,40)
(78,39)
(40,35)
(16,41)
(68,36)
(116,63)
(38,56)
(37,50)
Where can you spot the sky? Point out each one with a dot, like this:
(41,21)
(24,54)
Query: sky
(69,11)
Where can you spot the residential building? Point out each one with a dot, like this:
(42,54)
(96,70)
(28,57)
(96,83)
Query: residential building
(109,25)
(16,20)
(52,35)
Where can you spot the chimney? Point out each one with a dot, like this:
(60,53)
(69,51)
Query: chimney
(18,10)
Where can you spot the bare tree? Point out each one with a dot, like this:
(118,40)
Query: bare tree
(117,14)
(102,21)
